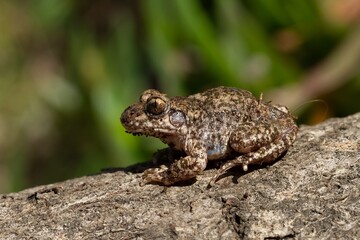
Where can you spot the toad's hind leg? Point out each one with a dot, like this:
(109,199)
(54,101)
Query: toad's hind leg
(264,154)
(263,144)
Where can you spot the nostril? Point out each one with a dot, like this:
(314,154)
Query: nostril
(124,116)
(130,114)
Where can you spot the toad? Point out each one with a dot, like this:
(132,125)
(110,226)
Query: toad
(220,123)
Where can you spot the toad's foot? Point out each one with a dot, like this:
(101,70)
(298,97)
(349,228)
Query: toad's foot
(160,175)
(226,167)
(181,170)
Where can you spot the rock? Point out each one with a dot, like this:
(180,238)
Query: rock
(312,192)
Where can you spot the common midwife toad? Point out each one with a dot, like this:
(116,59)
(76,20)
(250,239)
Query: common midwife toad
(220,123)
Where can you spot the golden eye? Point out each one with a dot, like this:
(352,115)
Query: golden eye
(147,94)
(155,106)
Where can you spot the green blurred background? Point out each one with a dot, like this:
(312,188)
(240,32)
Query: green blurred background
(69,68)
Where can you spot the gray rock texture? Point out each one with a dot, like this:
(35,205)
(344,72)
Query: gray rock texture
(312,192)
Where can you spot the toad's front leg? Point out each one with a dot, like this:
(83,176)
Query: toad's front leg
(183,169)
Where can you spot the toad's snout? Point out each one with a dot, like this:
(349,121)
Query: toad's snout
(124,119)
(129,116)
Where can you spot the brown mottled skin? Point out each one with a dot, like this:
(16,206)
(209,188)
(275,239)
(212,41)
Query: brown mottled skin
(219,123)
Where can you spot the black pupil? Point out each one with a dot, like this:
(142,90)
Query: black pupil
(155,106)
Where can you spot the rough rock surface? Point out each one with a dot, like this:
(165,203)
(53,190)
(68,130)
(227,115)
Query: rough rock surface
(313,192)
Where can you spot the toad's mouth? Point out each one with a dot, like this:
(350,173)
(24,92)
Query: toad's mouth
(157,133)
(136,133)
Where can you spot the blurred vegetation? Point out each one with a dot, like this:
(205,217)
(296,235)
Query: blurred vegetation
(69,68)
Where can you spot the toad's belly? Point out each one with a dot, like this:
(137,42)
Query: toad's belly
(216,151)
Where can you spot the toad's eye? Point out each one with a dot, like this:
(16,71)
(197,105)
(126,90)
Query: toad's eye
(155,106)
